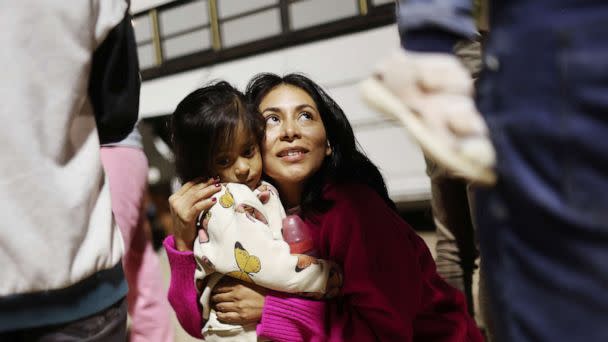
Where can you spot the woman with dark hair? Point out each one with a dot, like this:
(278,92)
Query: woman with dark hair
(345,162)
(391,291)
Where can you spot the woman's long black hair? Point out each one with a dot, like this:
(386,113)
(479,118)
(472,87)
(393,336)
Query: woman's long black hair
(346,164)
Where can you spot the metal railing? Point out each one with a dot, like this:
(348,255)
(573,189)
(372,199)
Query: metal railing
(364,14)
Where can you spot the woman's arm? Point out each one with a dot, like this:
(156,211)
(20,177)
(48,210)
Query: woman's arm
(284,317)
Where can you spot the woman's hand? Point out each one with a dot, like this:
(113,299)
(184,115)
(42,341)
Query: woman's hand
(236,302)
(186,204)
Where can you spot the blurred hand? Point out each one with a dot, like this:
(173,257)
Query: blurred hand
(186,204)
(236,302)
(435,85)
(438,91)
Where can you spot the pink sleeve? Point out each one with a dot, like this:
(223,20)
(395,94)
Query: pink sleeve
(182,291)
(289,318)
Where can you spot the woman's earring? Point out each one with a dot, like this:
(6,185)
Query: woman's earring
(328,149)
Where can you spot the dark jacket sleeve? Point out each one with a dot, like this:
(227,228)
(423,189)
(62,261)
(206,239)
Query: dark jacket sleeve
(114,83)
(434,25)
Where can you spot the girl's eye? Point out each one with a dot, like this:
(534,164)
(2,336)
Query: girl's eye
(223,162)
(272,120)
(249,152)
(305,116)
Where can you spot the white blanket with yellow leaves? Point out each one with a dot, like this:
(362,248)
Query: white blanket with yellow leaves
(241,237)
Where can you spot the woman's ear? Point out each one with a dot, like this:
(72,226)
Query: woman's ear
(328,149)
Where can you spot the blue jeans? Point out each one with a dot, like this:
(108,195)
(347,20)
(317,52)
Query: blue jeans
(543,228)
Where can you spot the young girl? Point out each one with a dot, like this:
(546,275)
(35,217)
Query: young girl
(214,134)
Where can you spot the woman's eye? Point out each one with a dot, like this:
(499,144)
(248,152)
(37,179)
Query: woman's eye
(305,116)
(272,120)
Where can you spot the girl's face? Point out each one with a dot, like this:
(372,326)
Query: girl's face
(296,142)
(241,162)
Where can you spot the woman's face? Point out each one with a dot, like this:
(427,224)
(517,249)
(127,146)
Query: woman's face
(296,143)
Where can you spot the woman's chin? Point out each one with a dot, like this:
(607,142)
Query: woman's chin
(293,174)
(294,177)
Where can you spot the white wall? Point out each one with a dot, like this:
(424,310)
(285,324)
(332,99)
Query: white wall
(337,64)
(142,5)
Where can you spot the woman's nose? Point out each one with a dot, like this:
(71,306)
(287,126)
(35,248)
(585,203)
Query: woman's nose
(290,130)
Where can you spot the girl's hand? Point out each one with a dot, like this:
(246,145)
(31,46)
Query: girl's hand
(186,204)
(236,302)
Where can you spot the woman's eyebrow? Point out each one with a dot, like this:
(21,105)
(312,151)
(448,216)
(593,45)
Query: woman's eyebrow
(271,109)
(298,107)
(305,105)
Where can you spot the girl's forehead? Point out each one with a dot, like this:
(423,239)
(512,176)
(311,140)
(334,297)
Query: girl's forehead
(239,138)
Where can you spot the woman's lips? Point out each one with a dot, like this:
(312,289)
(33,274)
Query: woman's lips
(294,154)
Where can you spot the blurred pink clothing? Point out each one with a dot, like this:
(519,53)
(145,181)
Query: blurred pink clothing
(127,170)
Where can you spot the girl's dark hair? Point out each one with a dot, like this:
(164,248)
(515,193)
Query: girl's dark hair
(346,164)
(204,122)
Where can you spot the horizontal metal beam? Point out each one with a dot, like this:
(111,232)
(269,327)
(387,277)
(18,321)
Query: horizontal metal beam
(376,17)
